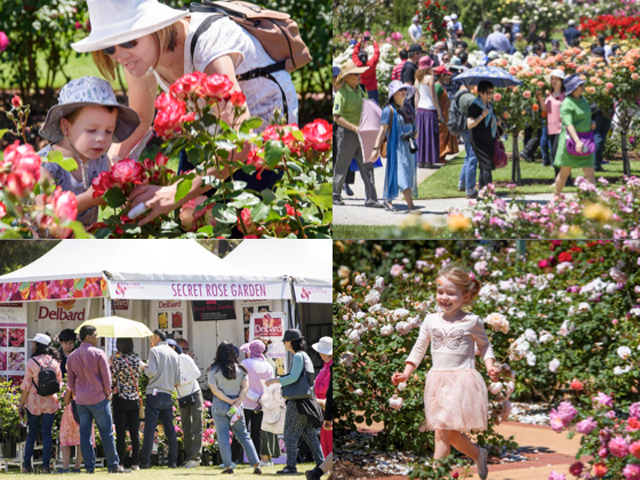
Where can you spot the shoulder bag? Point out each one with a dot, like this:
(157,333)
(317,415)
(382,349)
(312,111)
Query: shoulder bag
(135,380)
(299,390)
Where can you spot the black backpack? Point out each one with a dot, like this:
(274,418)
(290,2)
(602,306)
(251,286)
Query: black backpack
(457,122)
(47,380)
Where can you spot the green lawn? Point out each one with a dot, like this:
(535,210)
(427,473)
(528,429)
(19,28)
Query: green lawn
(243,472)
(375,232)
(444,183)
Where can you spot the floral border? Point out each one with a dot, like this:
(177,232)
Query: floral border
(54,289)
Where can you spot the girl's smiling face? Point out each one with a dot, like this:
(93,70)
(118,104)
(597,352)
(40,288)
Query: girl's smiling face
(449,296)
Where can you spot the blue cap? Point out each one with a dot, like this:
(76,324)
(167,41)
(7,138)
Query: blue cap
(173,343)
(336,71)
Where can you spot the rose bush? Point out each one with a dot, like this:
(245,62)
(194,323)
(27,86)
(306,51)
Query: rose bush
(562,318)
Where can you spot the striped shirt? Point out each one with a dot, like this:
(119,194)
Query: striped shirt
(397,71)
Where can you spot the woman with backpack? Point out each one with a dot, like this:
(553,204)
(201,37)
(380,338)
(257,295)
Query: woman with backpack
(153,42)
(42,381)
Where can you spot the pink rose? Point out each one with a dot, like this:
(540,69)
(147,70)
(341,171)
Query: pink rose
(396,270)
(618,447)
(586,426)
(634,449)
(497,97)
(4,41)
(631,472)
(557,476)
(526,94)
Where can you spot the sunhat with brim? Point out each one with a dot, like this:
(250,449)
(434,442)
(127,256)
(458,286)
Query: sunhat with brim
(324,345)
(397,85)
(516,19)
(505,20)
(555,73)
(114,22)
(88,92)
(350,68)
(425,62)
(571,83)
(456,64)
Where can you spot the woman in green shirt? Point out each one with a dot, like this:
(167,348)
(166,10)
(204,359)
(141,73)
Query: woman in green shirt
(481,34)
(575,114)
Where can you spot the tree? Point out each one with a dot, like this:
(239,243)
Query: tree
(15,254)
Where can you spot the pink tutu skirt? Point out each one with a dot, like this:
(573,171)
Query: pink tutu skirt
(456,400)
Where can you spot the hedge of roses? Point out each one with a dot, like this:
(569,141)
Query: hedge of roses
(563,320)
(299,204)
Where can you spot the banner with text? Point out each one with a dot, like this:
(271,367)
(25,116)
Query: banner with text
(198,290)
(64,310)
(209,310)
(13,340)
(311,294)
(271,326)
(170,316)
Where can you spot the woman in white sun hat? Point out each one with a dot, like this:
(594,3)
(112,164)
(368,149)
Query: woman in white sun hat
(325,348)
(152,42)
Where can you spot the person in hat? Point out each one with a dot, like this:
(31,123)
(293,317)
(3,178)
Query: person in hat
(428,116)
(258,370)
(448,141)
(229,384)
(415,30)
(575,114)
(351,175)
(82,126)
(151,41)
(457,26)
(191,412)
(126,370)
(270,443)
(516,22)
(368,78)
(325,348)
(295,424)
(497,41)
(40,411)
(571,34)
(396,125)
(336,72)
(483,30)
(555,47)
(347,110)
(408,74)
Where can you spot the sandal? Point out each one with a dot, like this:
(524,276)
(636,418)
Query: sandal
(389,206)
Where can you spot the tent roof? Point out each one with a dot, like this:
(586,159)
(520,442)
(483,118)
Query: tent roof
(133,260)
(308,261)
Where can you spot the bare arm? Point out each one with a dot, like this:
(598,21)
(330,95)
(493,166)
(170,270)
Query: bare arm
(473,122)
(432,86)
(572,131)
(343,122)
(379,138)
(220,394)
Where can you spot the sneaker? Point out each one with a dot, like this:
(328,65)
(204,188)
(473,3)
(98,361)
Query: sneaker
(257,471)
(481,463)
(338,202)
(173,465)
(461,189)
(288,471)
(388,206)
(63,470)
(347,190)
(266,464)
(228,471)
(192,464)
(473,196)
(315,474)
(600,169)
(77,470)
(27,470)
(414,211)
(373,205)
(525,157)
(134,468)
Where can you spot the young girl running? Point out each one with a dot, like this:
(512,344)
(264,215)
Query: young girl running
(455,396)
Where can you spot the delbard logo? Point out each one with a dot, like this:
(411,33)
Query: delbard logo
(306,294)
(63,311)
(120,289)
(268,326)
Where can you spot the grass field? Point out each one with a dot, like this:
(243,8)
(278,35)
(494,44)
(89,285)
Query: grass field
(374,232)
(243,472)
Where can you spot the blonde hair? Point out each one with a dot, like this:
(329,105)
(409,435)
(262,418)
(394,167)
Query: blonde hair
(166,40)
(462,278)
(420,74)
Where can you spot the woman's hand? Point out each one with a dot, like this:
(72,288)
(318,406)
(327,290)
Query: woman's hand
(494,373)
(157,198)
(374,156)
(271,381)
(579,146)
(485,112)
(327,425)
(236,403)
(399,378)
(322,403)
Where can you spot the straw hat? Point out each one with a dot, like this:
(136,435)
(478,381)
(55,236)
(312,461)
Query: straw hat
(118,21)
(505,20)
(350,68)
(88,92)
(516,19)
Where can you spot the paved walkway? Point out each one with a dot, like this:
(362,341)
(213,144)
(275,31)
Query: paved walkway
(434,211)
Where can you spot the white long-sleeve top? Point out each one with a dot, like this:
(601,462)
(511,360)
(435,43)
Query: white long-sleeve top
(453,344)
(189,376)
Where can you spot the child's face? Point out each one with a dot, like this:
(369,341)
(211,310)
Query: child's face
(139,59)
(449,296)
(92,131)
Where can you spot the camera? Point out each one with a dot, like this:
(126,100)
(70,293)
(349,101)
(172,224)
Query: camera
(367,38)
(411,138)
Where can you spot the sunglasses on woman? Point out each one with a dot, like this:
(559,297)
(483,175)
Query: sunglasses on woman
(112,50)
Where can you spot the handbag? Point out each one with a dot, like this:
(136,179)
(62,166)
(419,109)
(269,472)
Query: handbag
(74,411)
(301,389)
(187,400)
(587,139)
(499,154)
(141,410)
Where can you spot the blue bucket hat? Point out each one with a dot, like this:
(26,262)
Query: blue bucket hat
(571,83)
(397,85)
(88,92)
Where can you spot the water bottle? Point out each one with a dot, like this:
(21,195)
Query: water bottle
(232,411)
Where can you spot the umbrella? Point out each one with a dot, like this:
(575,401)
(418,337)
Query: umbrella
(497,76)
(118,327)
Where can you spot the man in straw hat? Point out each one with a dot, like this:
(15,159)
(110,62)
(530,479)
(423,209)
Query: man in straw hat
(347,109)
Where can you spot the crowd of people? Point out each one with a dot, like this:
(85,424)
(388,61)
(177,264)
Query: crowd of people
(105,392)
(415,127)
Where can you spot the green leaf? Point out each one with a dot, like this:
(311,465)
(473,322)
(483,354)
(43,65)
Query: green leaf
(69,164)
(194,156)
(212,180)
(3,131)
(260,212)
(268,196)
(224,214)
(239,185)
(78,230)
(207,229)
(226,145)
(298,135)
(245,199)
(250,124)
(273,152)
(184,187)
(114,197)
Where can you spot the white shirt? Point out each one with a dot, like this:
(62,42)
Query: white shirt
(189,376)
(415,30)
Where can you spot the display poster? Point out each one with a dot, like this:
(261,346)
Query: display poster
(210,310)
(64,310)
(170,316)
(271,326)
(13,340)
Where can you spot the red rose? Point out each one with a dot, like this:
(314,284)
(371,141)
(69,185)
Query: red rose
(318,135)
(169,115)
(245,217)
(543,264)
(565,257)
(283,133)
(633,424)
(3,210)
(78,25)
(576,469)
(254,159)
(189,117)
(189,82)
(127,173)
(163,101)
(600,470)
(216,86)
(16,101)
(148,164)
(65,204)
(238,99)
(290,210)
(576,385)
(161,159)
(102,183)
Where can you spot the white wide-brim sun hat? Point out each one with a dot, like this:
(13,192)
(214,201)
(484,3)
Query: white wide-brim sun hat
(114,22)
(324,345)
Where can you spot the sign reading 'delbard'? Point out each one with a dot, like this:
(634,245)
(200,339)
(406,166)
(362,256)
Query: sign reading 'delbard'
(204,311)
(65,310)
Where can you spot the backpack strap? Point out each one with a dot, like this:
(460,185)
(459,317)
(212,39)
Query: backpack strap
(256,72)
(32,380)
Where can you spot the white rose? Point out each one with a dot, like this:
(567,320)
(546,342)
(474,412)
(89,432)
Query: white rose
(346,299)
(358,392)
(545,336)
(386,330)
(361,279)
(373,297)
(379,284)
(554,364)
(531,359)
(402,386)
(620,370)
(495,387)
(360,315)
(403,328)
(377,308)
(396,402)
(400,313)
(623,352)
(344,272)
(355,336)
(531,336)
(509,387)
